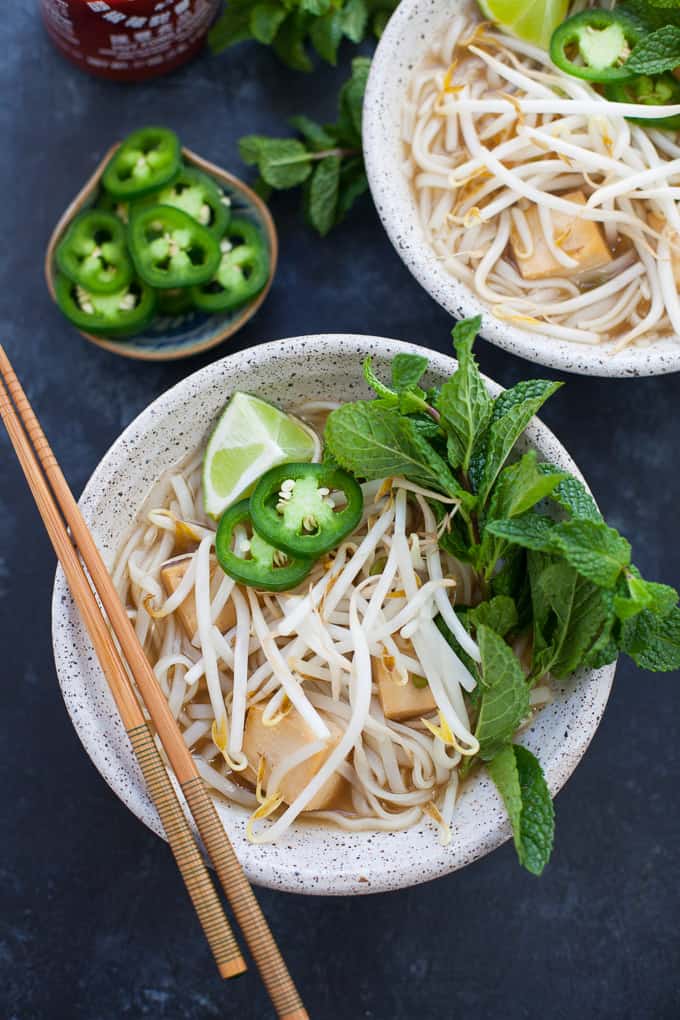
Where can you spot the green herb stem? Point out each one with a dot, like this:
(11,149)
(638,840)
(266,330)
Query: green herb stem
(311,157)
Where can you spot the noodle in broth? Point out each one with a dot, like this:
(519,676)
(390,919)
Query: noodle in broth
(495,137)
(314,652)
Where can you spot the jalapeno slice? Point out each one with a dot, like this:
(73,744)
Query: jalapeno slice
(197,195)
(170,249)
(664,90)
(93,252)
(146,160)
(292,507)
(261,565)
(243,270)
(595,45)
(121,314)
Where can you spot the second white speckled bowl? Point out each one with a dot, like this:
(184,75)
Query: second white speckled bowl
(406,39)
(310,859)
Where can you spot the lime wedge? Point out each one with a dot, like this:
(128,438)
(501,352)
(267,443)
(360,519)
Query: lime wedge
(534,22)
(250,437)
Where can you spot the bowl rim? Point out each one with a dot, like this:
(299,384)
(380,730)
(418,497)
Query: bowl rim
(281,870)
(402,44)
(138,353)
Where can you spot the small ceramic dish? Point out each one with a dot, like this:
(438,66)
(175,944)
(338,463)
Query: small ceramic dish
(407,38)
(311,858)
(169,337)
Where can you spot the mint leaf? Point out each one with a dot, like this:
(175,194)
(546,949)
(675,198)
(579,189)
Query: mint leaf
(531,531)
(519,487)
(641,594)
(511,578)
(283,162)
(251,147)
(503,770)
(378,442)
(351,102)
(233,26)
(287,26)
(652,641)
(265,21)
(464,402)
(325,34)
(597,551)
(289,44)
(374,382)
(512,412)
(657,52)
(323,194)
(465,331)
(498,613)
(570,614)
(328,162)
(573,496)
(646,15)
(505,695)
(407,370)
(354,18)
(353,184)
(318,8)
(519,779)
(380,19)
(528,389)
(316,135)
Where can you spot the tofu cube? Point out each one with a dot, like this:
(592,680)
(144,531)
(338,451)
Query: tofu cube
(401,701)
(273,743)
(582,239)
(172,573)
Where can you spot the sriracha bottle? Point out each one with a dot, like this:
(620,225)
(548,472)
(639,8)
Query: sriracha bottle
(128,40)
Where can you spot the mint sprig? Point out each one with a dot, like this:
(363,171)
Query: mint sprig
(326,160)
(547,564)
(296,29)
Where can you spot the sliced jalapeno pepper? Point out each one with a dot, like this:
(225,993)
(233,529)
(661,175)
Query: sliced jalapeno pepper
(263,565)
(663,90)
(242,273)
(93,252)
(197,195)
(292,507)
(170,249)
(595,45)
(147,159)
(121,314)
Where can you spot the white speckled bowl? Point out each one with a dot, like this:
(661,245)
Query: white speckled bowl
(405,41)
(311,859)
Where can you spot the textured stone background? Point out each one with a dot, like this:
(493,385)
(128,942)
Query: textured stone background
(94,924)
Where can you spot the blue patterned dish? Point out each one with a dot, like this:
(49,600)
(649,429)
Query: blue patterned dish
(178,336)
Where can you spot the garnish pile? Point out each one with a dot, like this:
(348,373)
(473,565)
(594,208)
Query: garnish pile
(547,563)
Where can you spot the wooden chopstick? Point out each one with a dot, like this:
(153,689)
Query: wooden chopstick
(187,854)
(259,938)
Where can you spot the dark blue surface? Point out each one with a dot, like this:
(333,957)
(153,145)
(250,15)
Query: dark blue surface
(94,923)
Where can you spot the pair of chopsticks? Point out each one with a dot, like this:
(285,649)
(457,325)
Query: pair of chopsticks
(59,510)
